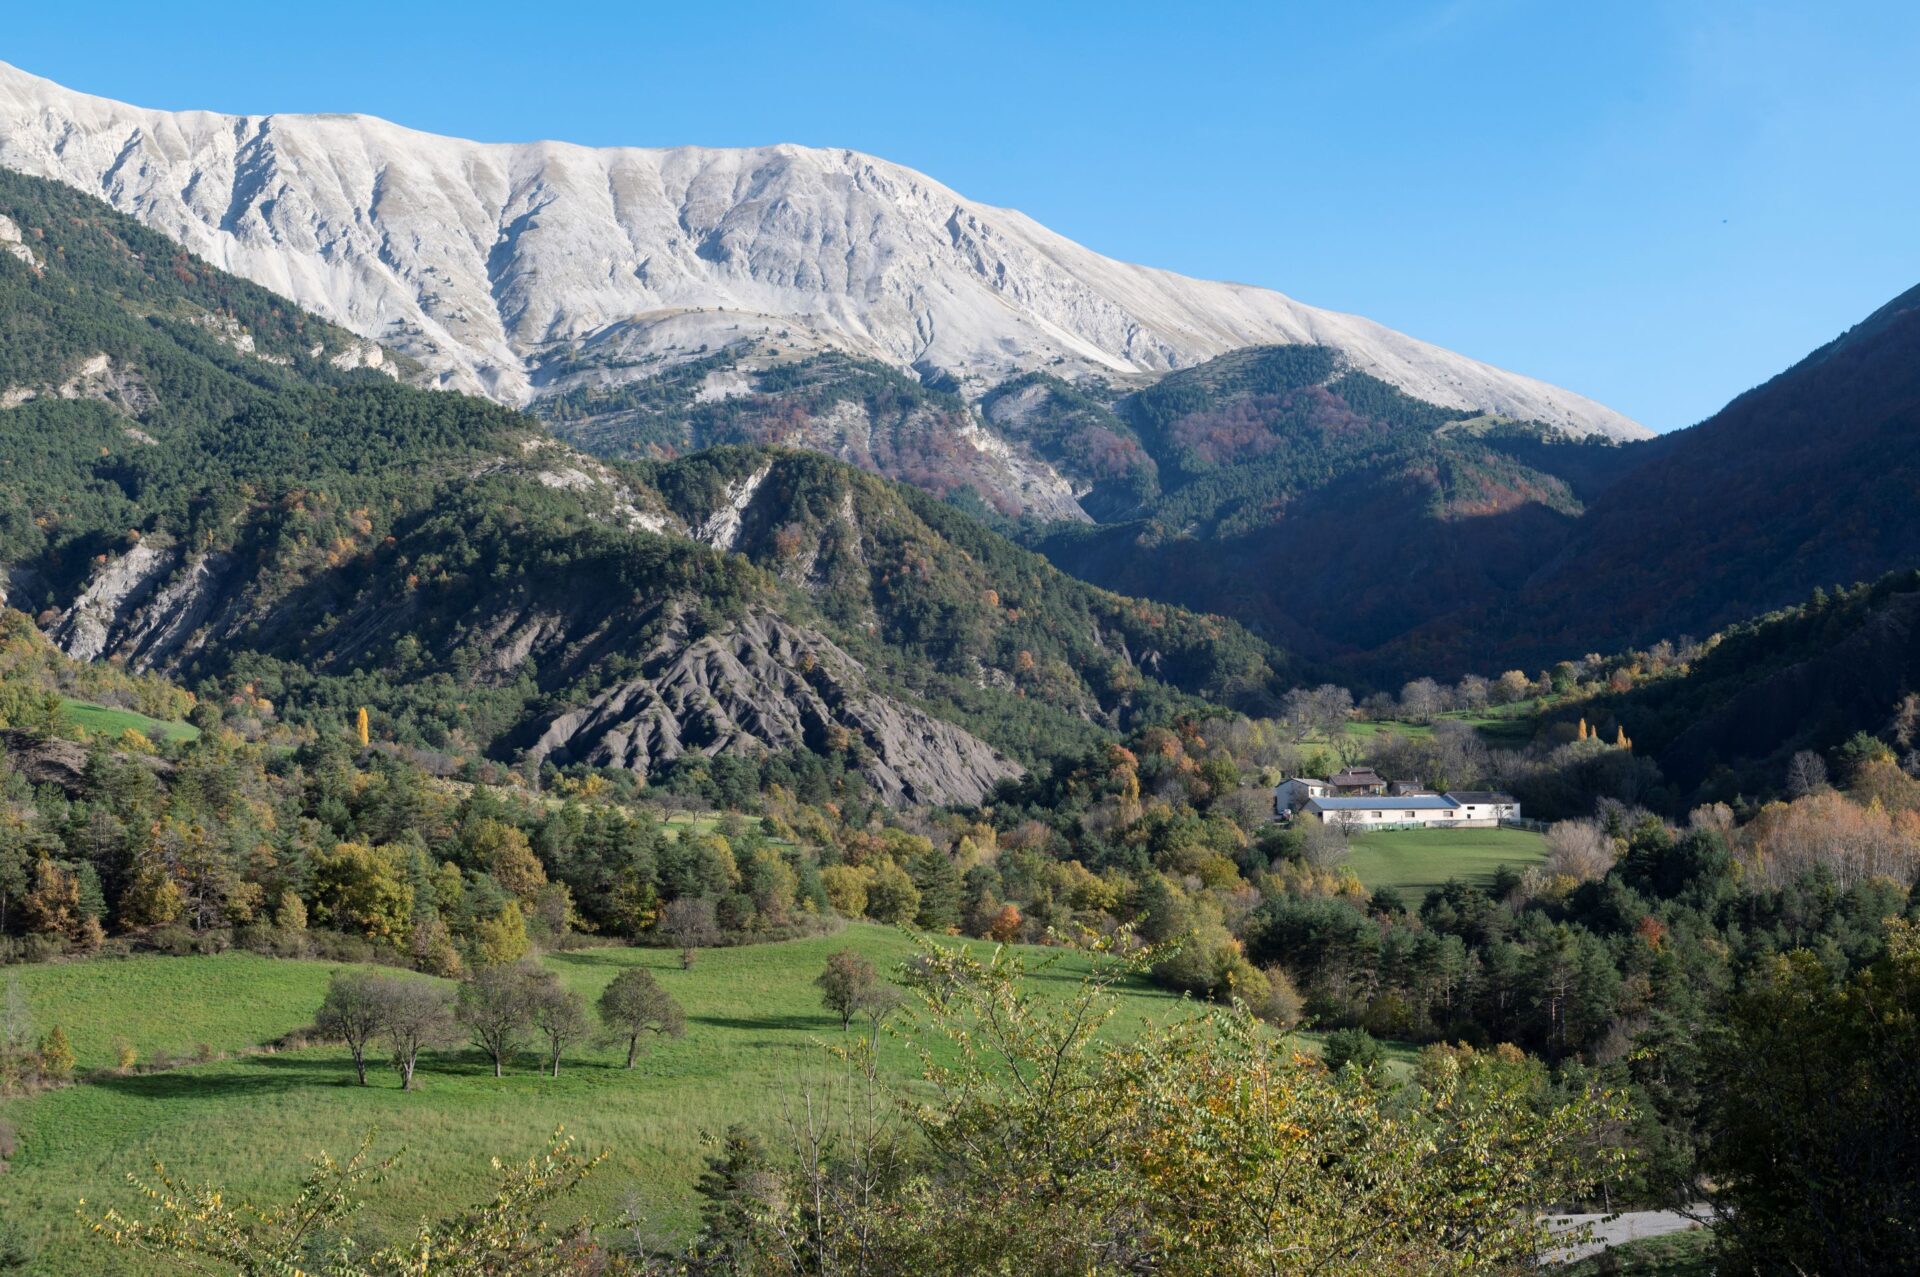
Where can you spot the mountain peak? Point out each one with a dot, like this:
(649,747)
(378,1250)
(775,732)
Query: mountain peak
(504,267)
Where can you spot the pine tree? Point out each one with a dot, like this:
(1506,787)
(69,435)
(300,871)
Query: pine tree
(940,895)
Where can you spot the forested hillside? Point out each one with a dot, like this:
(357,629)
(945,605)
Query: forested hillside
(1319,505)
(1802,680)
(1808,480)
(198,480)
(1394,539)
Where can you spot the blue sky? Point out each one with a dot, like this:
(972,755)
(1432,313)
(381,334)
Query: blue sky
(1658,205)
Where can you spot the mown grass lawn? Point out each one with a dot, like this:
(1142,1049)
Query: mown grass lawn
(1412,861)
(755,1038)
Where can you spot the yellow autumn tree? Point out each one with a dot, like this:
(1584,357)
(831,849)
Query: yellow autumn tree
(360,726)
(508,856)
(503,938)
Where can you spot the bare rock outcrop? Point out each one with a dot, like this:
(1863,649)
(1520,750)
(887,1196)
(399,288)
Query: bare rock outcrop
(764,684)
(147,606)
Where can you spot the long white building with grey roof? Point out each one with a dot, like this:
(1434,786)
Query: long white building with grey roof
(1478,810)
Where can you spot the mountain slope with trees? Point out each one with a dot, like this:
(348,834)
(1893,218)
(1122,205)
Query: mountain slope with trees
(1808,480)
(1815,680)
(1392,538)
(201,480)
(1317,504)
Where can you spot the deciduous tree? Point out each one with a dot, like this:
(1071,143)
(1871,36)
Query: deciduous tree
(495,1007)
(559,1014)
(353,1013)
(689,923)
(633,1004)
(846,984)
(415,1015)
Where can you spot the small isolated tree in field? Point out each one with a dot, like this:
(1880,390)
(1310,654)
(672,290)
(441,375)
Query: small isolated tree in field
(352,1013)
(850,986)
(415,1015)
(495,1007)
(1006,924)
(689,923)
(845,984)
(635,1004)
(1353,1046)
(560,1015)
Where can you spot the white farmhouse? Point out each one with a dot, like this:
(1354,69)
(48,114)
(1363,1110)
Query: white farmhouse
(1292,793)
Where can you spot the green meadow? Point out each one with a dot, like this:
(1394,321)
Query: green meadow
(1412,861)
(1503,727)
(103,720)
(756,1038)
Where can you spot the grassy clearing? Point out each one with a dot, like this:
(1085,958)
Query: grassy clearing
(1503,727)
(1688,1254)
(171,1006)
(105,721)
(755,1035)
(1412,861)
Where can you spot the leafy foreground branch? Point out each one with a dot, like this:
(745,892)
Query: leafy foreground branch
(1036,1142)
(199,1229)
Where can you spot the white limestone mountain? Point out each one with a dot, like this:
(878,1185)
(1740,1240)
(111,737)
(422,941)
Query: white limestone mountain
(508,268)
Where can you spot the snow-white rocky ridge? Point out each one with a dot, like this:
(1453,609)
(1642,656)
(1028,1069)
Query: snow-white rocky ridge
(489,263)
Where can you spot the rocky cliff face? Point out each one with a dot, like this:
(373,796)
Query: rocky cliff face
(764,684)
(509,269)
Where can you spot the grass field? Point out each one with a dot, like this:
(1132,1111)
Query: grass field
(112,722)
(754,1035)
(1688,1254)
(1413,860)
(1508,727)
(171,1006)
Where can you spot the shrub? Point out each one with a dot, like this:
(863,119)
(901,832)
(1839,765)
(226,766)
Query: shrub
(40,947)
(272,941)
(56,1055)
(335,946)
(171,939)
(1353,1046)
